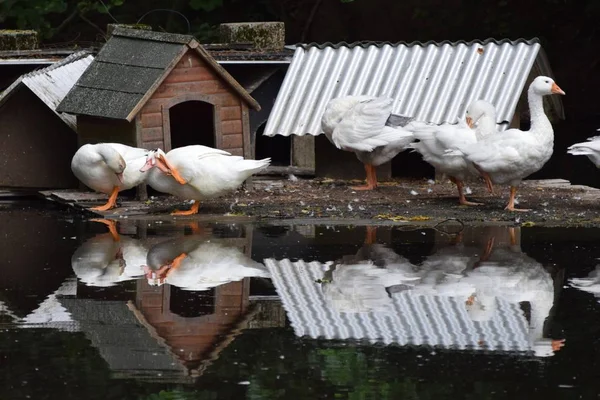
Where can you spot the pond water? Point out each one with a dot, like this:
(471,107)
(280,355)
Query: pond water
(176,310)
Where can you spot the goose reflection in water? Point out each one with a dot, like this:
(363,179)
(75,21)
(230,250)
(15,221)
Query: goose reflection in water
(109,258)
(590,283)
(196,263)
(359,282)
(478,277)
(509,274)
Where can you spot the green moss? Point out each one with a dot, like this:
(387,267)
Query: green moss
(111,27)
(18,39)
(263,35)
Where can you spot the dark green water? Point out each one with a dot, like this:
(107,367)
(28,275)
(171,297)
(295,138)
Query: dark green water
(79,318)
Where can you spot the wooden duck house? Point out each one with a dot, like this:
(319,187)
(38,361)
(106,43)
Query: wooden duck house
(151,89)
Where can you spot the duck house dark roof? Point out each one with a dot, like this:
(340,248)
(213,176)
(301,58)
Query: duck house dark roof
(130,67)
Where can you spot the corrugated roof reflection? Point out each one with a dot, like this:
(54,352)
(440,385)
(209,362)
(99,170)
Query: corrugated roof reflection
(51,84)
(433,82)
(413,320)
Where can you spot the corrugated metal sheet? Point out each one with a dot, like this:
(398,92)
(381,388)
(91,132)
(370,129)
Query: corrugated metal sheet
(433,82)
(51,84)
(413,319)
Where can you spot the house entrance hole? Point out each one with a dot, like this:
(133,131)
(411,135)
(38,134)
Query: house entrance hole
(191,303)
(278,147)
(192,122)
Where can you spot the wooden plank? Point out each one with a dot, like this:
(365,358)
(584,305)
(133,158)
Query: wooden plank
(154,105)
(151,120)
(154,144)
(232,141)
(236,152)
(231,127)
(190,60)
(192,74)
(231,113)
(202,87)
(249,146)
(225,99)
(277,170)
(152,134)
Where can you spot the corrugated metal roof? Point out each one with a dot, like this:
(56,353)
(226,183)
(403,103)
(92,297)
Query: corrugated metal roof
(432,82)
(413,319)
(51,84)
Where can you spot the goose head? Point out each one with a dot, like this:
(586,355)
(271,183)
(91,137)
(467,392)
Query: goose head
(158,158)
(478,109)
(114,161)
(543,85)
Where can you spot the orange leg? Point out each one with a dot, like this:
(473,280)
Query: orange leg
(371,179)
(487,252)
(195,227)
(558,344)
(371,235)
(111,203)
(513,236)
(486,177)
(511,201)
(112,227)
(461,194)
(193,210)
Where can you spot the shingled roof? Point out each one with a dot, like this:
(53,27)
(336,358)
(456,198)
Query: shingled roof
(129,68)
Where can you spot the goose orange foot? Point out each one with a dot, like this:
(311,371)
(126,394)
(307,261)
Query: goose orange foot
(193,210)
(371,179)
(111,203)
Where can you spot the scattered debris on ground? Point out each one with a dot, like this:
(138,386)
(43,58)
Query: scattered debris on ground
(552,202)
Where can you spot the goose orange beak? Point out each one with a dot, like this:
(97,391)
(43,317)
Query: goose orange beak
(556,89)
(470,122)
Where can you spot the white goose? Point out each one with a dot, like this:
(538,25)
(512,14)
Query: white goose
(510,156)
(109,168)
(108,258)
(366,126)
(591,149)
(359,283)
(434,140)
(195,263)
(198,172)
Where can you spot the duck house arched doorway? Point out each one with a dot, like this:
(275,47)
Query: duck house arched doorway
(191,120)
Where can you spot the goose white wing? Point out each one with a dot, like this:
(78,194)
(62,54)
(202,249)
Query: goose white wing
(362,128)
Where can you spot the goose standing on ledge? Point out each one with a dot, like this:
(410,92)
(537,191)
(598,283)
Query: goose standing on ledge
(198,172)
(109,168)
(434,140)
(510,156)
(366,126)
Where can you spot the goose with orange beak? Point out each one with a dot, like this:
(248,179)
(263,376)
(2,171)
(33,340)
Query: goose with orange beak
(509,157)
(198,173)
(109,168)
(434,140)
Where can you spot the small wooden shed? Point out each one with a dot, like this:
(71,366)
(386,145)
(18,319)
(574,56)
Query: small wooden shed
(152,89)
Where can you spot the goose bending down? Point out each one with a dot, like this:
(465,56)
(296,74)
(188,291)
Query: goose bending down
(366,126)
(195,263)
(510,156)
(109,168)
(591,149)
(434,140)
(198,173)
(108,258)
